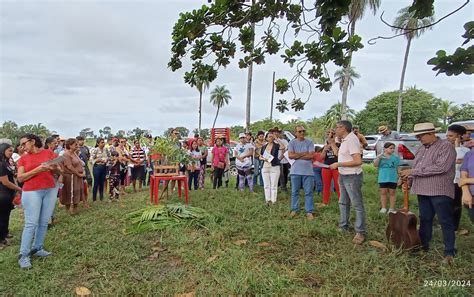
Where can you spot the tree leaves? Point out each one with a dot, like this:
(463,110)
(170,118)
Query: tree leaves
(461,61)
(329,43)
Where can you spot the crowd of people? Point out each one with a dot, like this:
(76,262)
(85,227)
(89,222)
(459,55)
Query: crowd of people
(442,176)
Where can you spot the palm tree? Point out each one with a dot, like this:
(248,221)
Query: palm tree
(339,75)
(334,114)
(408,22)
(220,96)
(356,12)
(447,110)
(201,85)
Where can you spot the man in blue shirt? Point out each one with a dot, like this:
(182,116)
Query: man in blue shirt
(301,150)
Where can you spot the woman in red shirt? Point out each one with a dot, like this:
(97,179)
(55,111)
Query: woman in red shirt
(38,196)
(219,162)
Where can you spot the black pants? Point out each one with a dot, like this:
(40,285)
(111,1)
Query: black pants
(6,207)
(100,172)
(285,171)
(218,173)
(457,206)
(193,177)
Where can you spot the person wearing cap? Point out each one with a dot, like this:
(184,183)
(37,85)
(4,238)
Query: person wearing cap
(387,134)
(60,147)
(243,154)
(349,165)
(301,174)
(431,180)
(454,135)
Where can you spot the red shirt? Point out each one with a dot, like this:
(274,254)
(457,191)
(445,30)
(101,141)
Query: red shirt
(42,180)
(317,158)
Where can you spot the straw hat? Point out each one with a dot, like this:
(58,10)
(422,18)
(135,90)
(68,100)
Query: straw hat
(424,128)
(382,129)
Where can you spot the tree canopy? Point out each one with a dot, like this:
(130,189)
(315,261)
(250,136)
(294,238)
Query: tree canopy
(418,106)
(209,36)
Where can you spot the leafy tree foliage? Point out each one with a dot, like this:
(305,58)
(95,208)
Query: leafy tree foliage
(461,61)
(87,133)
(12,131)
(209,35)
(205,133)
(462,112)
(419,106)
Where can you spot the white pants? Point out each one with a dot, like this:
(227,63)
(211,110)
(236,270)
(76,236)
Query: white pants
(270,175)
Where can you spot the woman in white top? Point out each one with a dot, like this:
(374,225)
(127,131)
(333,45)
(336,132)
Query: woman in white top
(271,167)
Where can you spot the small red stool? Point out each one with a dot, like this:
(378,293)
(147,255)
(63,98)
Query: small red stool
(155,186)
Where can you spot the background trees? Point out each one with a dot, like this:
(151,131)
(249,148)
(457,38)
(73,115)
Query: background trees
(419,106)
(405,23)
(220,96)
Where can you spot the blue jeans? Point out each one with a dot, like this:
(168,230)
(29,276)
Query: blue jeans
(100,172)
(350,186)
(442,207)
(257,177)
(38,207)
(307,183)
(318,180)
(193,178)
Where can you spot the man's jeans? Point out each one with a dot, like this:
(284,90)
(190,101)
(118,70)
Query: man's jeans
(350,186)
(442,207)
(307,183)
(38,207)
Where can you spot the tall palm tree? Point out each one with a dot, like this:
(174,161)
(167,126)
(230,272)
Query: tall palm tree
(220,96)
(340,74)
(447,110)
(201,85)
(408,22)
(334,114)
(356,12)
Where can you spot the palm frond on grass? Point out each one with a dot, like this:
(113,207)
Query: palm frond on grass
(165,216)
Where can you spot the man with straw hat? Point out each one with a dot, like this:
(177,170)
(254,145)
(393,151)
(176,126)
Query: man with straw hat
(432,181)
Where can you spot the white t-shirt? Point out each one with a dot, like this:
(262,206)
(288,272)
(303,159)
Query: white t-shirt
(350,145)
(460,152)
(242,150)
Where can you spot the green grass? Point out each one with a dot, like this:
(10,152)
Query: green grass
(301,257)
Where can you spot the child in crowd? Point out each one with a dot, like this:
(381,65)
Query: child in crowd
(114,178)
(194,166)
(317,161)
(388,163)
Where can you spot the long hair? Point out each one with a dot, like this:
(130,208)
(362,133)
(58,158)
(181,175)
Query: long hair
(3,148)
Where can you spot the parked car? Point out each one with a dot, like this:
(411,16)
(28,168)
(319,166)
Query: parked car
(369,153)
(405,148)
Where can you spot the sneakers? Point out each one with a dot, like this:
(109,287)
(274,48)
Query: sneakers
(41,253)
(293,214)
(392,210)
(359,238)
(383,210)
(24,262)
(310,216)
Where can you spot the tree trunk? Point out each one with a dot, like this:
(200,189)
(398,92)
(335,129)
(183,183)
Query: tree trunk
(200,109)
(345,84)
(249,85)
(400,91)
(215,119)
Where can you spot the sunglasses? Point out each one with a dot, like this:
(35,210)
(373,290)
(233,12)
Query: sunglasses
(301,131)
(23,143)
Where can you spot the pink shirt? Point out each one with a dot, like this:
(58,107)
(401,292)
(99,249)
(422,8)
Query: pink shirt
(350,145)
(219,154)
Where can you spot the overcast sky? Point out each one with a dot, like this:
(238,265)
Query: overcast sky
(77,64)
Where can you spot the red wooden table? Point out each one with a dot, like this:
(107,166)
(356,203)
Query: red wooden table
(155,186)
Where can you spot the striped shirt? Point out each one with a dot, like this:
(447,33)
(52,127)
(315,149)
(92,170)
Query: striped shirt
(433,169)
(138,154)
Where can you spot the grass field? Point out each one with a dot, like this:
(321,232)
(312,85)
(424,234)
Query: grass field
(250,249)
